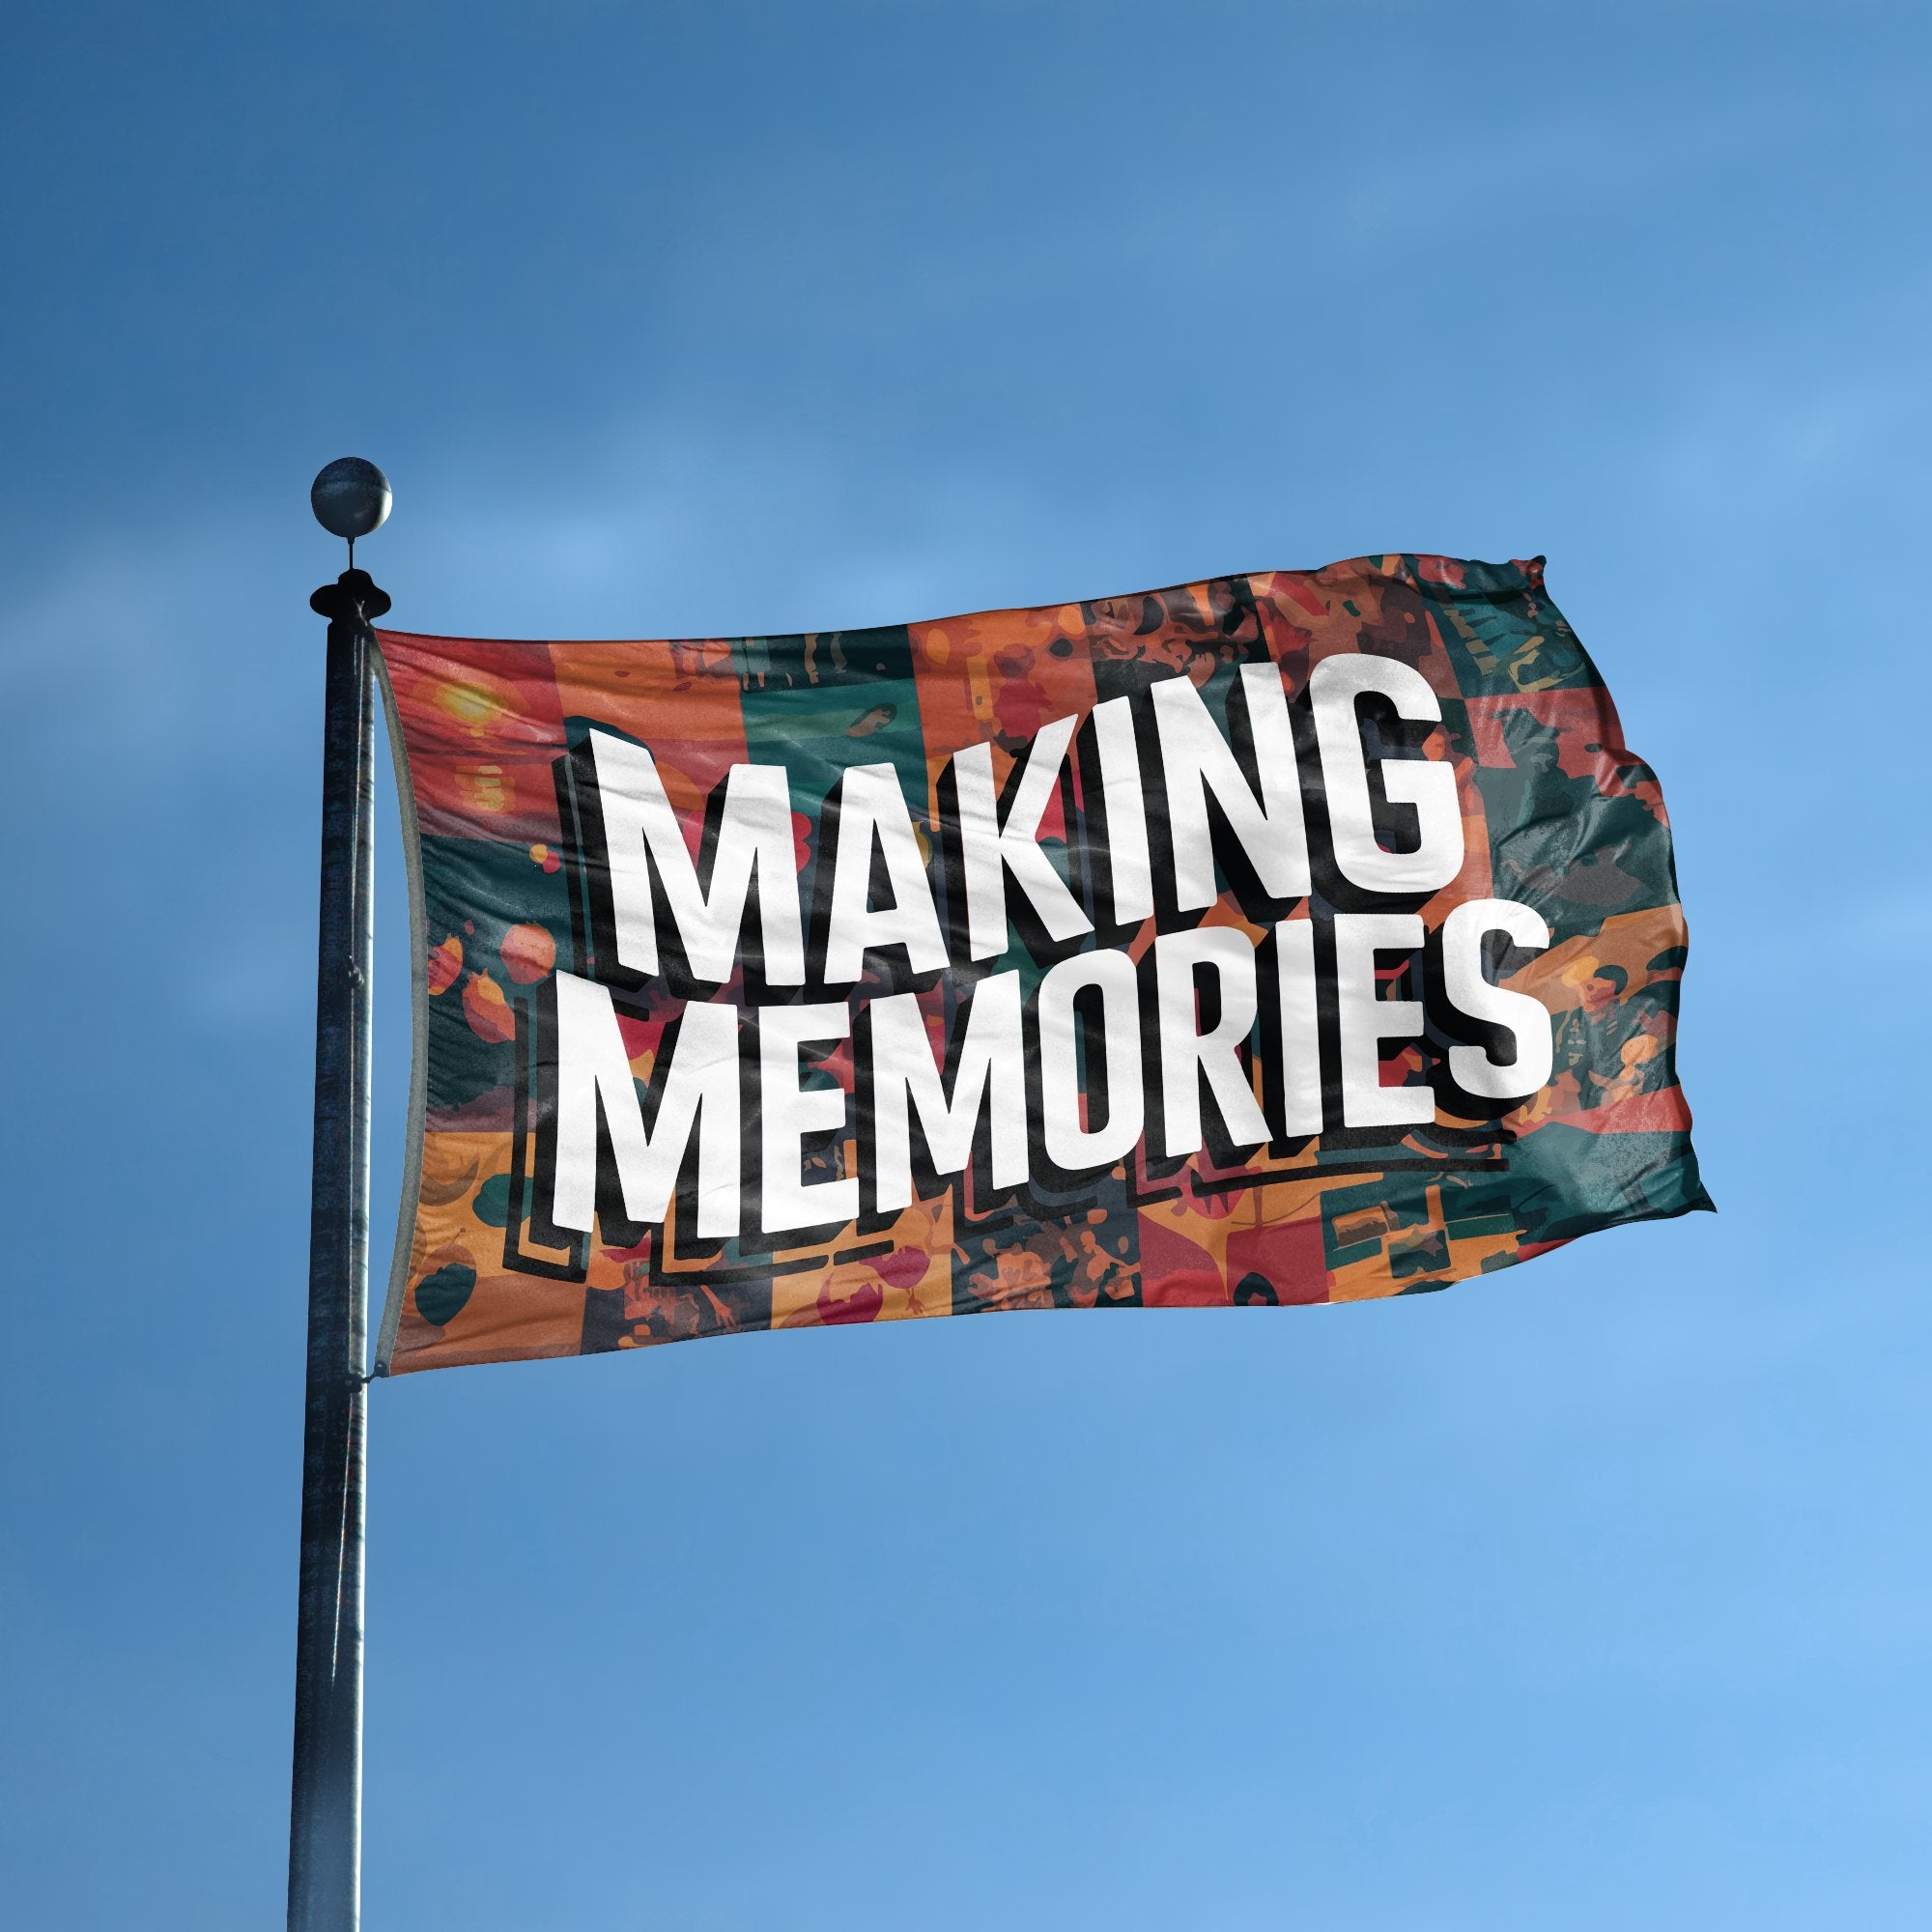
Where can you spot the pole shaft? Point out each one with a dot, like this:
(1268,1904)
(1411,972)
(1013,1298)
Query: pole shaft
(326,1814)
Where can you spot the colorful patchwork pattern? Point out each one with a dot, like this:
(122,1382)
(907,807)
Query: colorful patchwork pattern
(1557,816)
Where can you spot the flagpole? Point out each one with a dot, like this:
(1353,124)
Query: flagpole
(350,498)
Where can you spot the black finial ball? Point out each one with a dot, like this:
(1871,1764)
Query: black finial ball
(350,496)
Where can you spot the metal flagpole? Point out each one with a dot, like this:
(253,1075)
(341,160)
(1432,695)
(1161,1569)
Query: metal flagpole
(351,498)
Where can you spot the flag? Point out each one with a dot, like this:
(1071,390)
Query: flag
(1299,937)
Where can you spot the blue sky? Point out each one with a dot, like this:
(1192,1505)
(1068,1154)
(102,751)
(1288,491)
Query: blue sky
(1592,1595)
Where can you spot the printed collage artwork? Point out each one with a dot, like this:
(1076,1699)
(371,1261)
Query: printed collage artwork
(1556,814)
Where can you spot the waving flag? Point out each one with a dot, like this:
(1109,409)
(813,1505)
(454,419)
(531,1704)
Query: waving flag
(1300,937)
